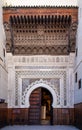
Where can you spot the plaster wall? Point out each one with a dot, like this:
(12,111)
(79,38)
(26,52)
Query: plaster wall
(78,59)
(3,71)
(41,70)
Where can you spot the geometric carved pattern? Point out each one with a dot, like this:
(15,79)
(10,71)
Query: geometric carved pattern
(37,82)
(8,36)
(72,34)
(54,81)
(41,30)
(40,50)
(41,59)
(47,39)
(39,35)
(48,76)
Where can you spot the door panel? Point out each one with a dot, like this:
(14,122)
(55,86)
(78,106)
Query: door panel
(39,98)
(35,107)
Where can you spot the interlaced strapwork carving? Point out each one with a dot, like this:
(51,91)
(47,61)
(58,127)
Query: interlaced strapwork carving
(47,76)
(53,86)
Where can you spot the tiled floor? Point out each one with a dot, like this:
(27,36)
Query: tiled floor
(39,128)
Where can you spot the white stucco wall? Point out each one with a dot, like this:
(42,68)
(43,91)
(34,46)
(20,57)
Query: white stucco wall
(3,71)
(78,59)
(79,34)
(40,68)
(2,34)
(78,92)
(3,83)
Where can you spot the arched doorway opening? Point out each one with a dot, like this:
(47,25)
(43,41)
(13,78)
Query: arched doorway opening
(46,107)
(40,110)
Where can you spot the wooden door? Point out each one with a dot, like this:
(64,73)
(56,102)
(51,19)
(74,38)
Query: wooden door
(35,107)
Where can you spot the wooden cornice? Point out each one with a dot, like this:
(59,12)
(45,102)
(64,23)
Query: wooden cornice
(40,19)
(39,30)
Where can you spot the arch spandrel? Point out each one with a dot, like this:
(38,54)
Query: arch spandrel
(38,84)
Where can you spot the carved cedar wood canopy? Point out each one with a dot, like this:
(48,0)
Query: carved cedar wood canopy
(38,31)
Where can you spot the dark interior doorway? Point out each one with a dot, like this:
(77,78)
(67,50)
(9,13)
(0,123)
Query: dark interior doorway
(40,111)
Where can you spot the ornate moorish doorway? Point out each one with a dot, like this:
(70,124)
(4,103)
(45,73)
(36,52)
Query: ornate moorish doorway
(40,111)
